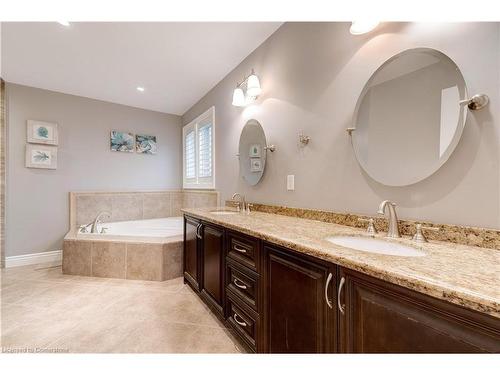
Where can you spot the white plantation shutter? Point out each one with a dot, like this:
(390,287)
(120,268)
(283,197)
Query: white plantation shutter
(198,153)
(190,155)
(205,151)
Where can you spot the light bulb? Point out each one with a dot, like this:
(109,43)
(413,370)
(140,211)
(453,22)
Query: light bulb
(363,27)
(253,86)
(238,97)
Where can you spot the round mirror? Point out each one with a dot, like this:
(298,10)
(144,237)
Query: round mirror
(408,119)
(252,152)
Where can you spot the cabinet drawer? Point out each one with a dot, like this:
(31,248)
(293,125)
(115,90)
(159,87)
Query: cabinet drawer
(243,282)
(245,321)
(244,249)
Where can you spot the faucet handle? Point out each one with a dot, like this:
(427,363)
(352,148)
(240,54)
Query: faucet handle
(419,234)
(371,226)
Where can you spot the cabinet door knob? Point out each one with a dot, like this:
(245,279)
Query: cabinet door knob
(328,301)
(240,249)
(238,321)
(239,283)
(340,305)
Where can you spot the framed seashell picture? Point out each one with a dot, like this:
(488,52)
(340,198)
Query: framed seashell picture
(41,157)
(42,132)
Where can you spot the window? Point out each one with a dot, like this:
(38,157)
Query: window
(198,152)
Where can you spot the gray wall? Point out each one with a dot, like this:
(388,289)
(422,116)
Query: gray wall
(37,200)
(312,75)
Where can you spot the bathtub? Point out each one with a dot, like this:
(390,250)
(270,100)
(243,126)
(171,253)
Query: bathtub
(149,249)
(164,227)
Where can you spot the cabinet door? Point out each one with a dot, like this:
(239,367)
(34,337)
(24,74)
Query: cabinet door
(213,256)
(384,318)
(298,318)
(191,252)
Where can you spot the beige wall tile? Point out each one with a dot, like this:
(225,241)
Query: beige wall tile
(145,262)
(172,260)
(126,207)
(196,199)
(156,205)
(177,202)
(88,206)
(76,258)
(108,259)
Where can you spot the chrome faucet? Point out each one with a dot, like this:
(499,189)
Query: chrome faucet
(97,220)
(393,231)
(241,203)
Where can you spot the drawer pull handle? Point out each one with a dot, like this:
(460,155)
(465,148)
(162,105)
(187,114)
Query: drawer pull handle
(239,283)
(198,235)
(240,249)
(341,305)
(328,301)
(238,321)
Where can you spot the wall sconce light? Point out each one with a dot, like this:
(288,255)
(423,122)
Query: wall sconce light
(251,84)
(362,27)
(238,97)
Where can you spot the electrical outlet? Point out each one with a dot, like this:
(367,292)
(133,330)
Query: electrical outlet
(290,182)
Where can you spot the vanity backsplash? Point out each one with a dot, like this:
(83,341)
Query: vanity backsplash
(471,236)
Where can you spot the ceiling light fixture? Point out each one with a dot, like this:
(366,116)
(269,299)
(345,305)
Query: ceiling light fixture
(141,89)
(251,84)
(64,23)
(363,27)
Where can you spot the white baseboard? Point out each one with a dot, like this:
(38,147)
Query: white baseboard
(54,257)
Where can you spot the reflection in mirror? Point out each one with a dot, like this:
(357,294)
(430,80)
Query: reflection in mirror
(408,119)
(252,152)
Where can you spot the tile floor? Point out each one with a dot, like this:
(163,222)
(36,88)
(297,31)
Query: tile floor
(43,309)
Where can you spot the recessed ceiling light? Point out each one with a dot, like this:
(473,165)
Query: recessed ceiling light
(64,23)
(141,89)
(363,27)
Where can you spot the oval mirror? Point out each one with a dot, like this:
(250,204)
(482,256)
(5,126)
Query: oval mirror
(252,152)
(408,119)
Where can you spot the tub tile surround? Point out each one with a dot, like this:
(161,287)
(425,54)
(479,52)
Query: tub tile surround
(136,205)
(460,274)
(463,235)
(128,257)
(123,260)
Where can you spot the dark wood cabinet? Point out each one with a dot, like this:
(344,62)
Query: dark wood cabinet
(381,317)
(277,300)
(213,266)
(299,318)
(191,259)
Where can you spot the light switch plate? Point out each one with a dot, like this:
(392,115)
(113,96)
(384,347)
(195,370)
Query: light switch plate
(290,182)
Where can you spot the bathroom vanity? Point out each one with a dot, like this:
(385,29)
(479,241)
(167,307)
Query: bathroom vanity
(283,288)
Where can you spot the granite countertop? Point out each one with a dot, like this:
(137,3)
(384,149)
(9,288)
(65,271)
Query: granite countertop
(464,275)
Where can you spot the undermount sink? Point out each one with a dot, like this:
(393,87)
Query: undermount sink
(223,212)
(375,245)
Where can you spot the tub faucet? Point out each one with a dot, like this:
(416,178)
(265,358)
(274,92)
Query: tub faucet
(241,201)
(97,220)
(393,230)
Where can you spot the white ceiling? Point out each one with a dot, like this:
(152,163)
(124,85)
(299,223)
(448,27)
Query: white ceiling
(176,63)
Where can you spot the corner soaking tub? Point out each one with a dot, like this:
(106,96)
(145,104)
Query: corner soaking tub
(141,250)
(164,227)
